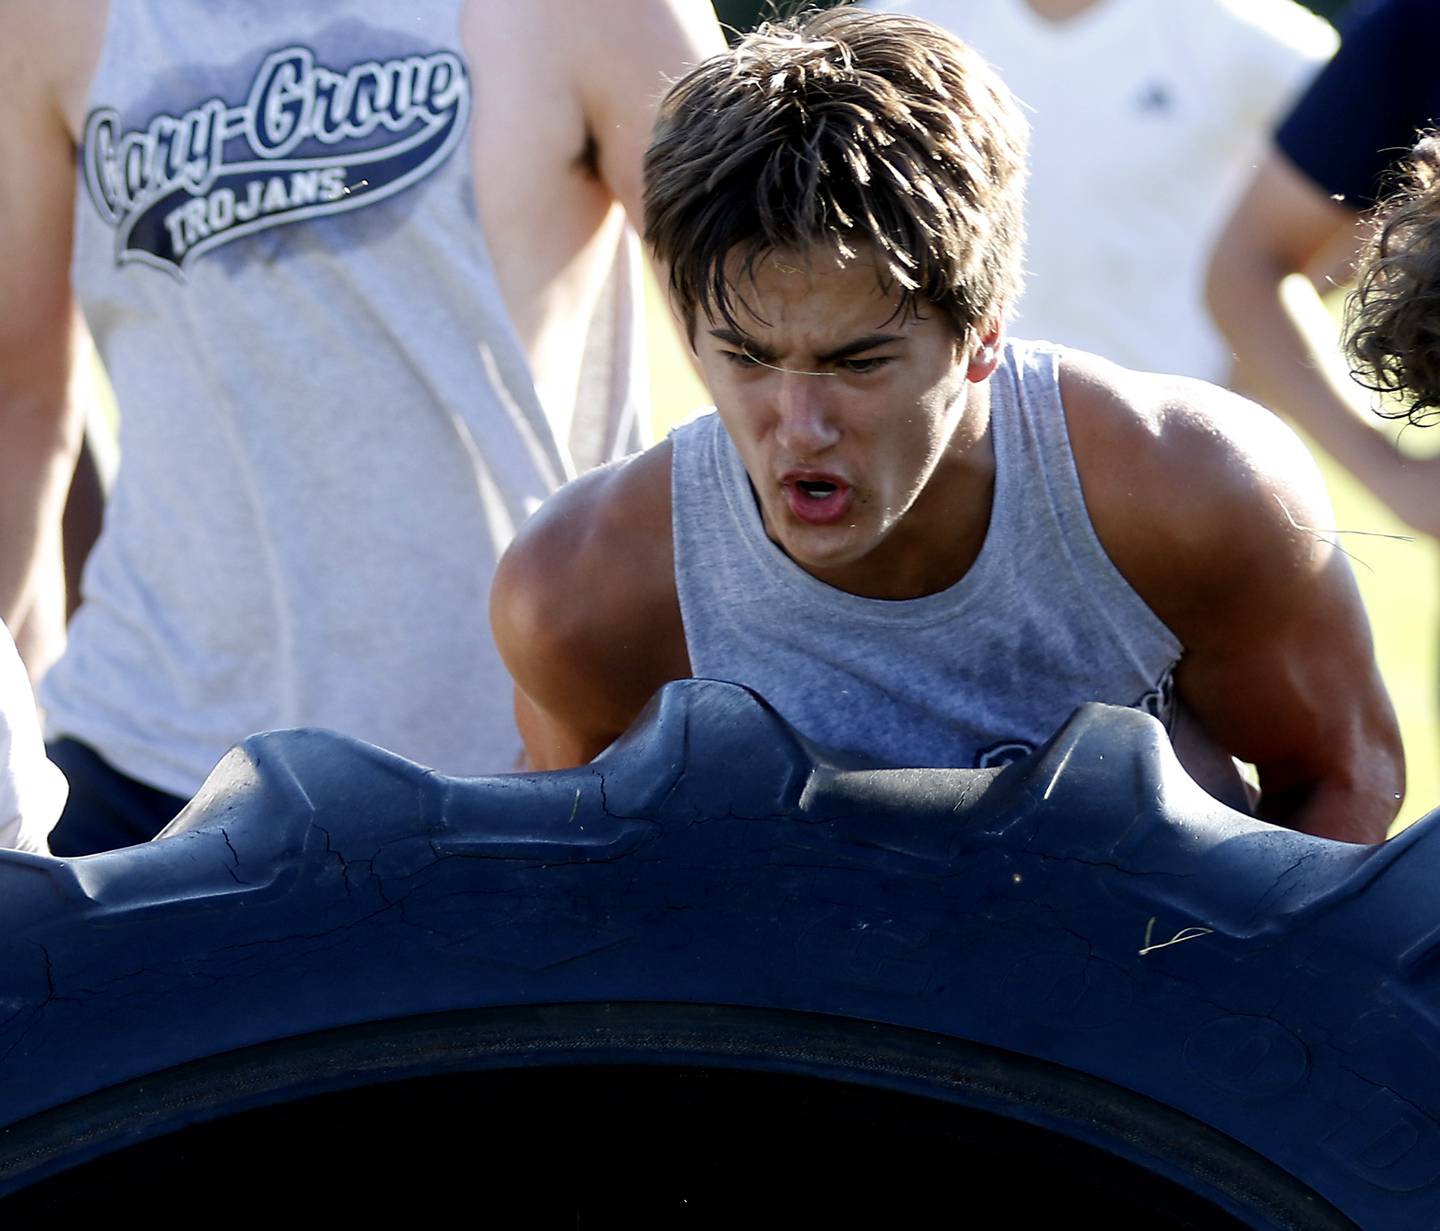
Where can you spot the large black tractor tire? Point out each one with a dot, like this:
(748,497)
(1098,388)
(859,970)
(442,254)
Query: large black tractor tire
(716,974)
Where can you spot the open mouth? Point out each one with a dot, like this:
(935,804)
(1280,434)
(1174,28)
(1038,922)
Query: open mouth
(818,501)
(817,489)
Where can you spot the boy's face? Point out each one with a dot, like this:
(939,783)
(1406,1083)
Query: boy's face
(844,410)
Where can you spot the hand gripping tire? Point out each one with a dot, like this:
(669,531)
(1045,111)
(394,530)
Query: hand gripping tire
(714,960)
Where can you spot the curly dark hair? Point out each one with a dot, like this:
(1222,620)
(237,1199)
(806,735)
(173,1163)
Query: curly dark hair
(1392,317)
(835,129)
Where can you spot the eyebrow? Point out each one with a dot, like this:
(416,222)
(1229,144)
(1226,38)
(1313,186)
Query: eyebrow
(751,347)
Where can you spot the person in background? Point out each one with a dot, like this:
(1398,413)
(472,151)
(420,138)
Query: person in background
(1146,118)
(1392,320)
(347,365)
(1331,161)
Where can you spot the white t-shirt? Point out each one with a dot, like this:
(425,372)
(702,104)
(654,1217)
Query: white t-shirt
(1147,118)
(32,788)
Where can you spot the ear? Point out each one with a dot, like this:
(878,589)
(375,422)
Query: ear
(985,358)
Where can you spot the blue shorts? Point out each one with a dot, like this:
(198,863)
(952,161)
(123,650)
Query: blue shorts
(105,809)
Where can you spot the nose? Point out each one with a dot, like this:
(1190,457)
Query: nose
(804,425)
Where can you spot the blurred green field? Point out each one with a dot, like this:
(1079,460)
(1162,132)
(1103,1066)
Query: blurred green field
(1400,582)
(1399,578)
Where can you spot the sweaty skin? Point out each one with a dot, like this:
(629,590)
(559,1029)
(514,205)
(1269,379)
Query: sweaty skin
(1214,514)
(837,387)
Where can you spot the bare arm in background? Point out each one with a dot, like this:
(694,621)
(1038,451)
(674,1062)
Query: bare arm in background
(47,53)
(1284,338)
(565,97)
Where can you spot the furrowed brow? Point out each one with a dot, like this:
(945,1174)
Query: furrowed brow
(860,345)
(733,337)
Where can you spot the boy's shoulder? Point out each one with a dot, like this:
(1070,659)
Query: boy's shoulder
(1188,485)
(584,607)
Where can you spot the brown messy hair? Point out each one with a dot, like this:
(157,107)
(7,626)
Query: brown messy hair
(835,129)
(1392,317)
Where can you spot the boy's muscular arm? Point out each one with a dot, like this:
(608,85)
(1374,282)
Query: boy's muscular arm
(585,613)
(1214,512)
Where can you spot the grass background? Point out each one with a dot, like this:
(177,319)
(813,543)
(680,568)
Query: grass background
(1399,577)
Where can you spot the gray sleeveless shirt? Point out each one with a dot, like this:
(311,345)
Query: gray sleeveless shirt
(329,431)
(975,675)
